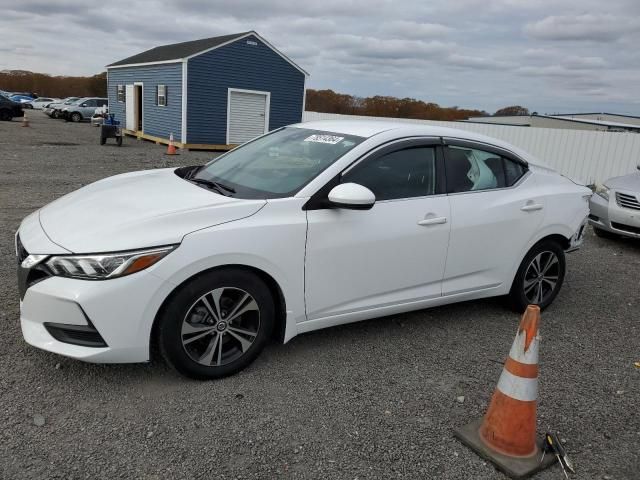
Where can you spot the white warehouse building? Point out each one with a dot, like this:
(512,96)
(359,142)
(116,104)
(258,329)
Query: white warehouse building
(607,122)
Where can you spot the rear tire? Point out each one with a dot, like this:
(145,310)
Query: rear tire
(103,140)
(539,277)
(216,324)
(119,141)
(5,116)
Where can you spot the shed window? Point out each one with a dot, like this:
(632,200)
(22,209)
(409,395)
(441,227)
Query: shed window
(121,93)
(162,96)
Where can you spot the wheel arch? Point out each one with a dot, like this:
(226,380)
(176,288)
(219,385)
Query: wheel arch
(275,289)
(561,238)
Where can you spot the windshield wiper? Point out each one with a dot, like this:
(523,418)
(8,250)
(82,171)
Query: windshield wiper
(217,186)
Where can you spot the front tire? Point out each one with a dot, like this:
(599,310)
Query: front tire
(539,277)
(604,233)
(76,117)
(216,324)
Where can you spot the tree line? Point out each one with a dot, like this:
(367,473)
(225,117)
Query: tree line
(328,101)
(46,85)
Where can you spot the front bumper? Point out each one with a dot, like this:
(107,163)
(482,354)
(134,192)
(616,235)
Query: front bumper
(609,216)
(57,313)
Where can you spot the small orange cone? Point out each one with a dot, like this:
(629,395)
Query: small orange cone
(171,148)
(25,121)
(509,426)
(507,433)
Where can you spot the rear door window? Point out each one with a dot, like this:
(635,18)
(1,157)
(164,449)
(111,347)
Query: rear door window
(471,169)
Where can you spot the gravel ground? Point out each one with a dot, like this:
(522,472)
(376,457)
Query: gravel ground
(376,399)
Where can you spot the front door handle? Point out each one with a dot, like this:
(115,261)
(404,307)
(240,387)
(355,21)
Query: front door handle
(432,221)
(532,207)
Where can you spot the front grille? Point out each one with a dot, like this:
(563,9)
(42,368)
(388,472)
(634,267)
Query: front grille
(626,228)
(83,335)
(21,252)
(28,276)
(627,201)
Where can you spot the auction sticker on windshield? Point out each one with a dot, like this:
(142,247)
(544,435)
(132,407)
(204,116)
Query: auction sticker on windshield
(331,139)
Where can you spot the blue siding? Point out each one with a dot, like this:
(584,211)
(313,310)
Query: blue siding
(239,65)
(157,121)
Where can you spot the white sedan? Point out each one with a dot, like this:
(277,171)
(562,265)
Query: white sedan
(41,102)
(309,226)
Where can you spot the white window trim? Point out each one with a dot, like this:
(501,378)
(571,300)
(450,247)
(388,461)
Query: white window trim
(124,93)
(158,96)
(267,107)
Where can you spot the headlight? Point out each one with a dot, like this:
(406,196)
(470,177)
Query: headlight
(603,191)
(106,265)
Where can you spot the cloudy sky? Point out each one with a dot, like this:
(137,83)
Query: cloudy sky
(548,55)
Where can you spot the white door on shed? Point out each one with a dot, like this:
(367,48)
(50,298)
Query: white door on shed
(130,108)
(247,115)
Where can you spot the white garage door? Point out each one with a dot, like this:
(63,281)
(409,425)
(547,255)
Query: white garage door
(248,115)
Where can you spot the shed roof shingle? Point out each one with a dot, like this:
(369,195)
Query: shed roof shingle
(176,51)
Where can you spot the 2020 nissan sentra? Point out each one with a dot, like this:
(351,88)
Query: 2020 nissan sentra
(307,227)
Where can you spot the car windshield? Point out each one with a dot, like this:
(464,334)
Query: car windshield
(276,165)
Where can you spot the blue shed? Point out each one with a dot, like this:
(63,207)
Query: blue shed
(208,93)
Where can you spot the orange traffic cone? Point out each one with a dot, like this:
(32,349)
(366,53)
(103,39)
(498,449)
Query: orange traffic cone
(171,148)
(507,434)
(25,121)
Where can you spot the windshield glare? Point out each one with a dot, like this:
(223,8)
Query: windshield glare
(279,164)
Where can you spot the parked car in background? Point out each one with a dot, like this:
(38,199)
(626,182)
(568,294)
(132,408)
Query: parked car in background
(26,94)
(41,102)
(53,109)
(82,109)
(9,109)
(615,207)
(355,220)
(23,99)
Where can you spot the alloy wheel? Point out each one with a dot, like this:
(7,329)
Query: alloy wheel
(220,326)
(541,277)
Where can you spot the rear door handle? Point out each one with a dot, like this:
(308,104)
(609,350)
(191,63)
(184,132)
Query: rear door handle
(532,207)
(432,221)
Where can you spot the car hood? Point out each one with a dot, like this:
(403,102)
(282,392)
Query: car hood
(627,182)
(137,210)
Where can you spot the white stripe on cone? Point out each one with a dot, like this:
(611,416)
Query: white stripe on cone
(530,357)
(523,389)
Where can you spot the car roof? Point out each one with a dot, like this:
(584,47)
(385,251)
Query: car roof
(370,128)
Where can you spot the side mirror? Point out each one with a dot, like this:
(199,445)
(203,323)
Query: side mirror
(83,105)
(352,196)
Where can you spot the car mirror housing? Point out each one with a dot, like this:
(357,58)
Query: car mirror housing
(352,196)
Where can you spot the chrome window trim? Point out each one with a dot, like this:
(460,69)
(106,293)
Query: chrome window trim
(515,185)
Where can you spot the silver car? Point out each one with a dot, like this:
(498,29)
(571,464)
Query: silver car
(53,109)
(615,207)
(82,109)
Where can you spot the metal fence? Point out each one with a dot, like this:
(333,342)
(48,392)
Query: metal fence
(586,156)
